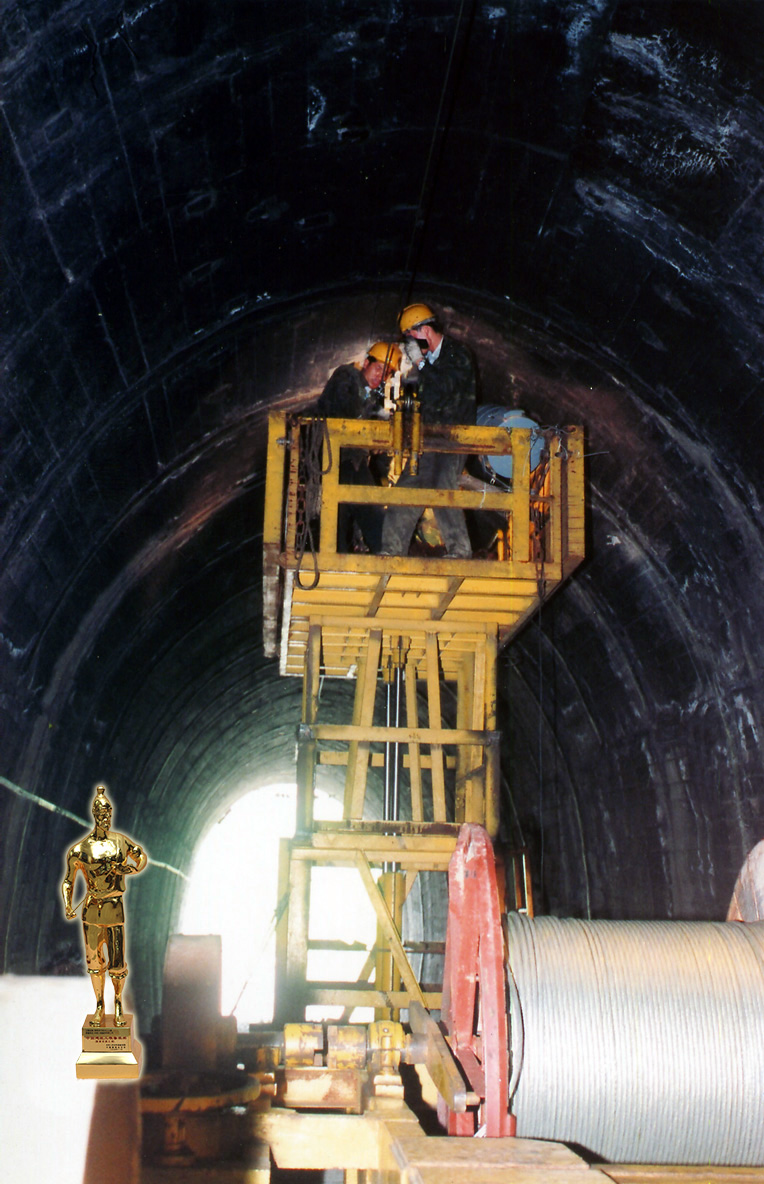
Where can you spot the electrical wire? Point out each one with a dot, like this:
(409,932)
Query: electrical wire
(44,804)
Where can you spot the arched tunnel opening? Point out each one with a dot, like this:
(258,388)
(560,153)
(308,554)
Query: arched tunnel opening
(209,208)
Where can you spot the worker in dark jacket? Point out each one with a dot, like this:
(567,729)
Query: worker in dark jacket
(446,381)
(357,392)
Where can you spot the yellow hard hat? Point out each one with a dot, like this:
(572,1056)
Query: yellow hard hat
(387,353)
(413,315)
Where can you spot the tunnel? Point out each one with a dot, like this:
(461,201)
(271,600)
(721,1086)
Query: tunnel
(206,209)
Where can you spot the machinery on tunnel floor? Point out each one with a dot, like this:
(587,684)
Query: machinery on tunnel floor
(341,1095)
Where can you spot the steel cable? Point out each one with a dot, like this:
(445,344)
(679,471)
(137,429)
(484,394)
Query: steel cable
(639,1041)
(311,439)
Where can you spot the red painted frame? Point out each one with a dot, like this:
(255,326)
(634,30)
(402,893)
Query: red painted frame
(474,984)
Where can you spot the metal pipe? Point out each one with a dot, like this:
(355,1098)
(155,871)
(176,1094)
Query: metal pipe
(640,1041)
(397,747)
(387,755)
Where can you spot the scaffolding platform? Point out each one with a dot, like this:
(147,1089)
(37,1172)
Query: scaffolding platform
(536,529)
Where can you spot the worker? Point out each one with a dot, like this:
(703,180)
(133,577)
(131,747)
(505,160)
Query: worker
(357,392)
(104,857)
(446,380)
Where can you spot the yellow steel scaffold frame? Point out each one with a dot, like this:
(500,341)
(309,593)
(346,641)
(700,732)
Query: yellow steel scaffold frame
(364,616)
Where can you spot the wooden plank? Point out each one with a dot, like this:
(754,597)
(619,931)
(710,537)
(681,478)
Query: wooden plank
(286,620)
(388,926)
(445,600)
(403,626)
(306,748)
(394,495)
(363,713)
(576,498)
(271,600)
(463,719)
(681,1174)
(293,481)
(290,994)
(477,1173)
(440,1061)
(383,835)
(431,736)
(352,995)
(282,917)
(376,435)
(474,796)
(406,857)
(274,479)
(377,761)
(379,592)
(435,721)
(438,1159)
(304,1141)
(379,564)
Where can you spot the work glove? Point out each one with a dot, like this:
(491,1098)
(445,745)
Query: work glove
(413,352)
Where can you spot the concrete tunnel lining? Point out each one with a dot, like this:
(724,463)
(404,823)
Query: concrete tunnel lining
(610,190)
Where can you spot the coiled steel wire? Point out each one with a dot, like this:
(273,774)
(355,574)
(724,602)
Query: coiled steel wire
(639,1041)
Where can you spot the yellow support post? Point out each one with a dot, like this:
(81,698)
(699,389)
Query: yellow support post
(415,766)
(306,742)
(387,976)
(389,928)
(434,714)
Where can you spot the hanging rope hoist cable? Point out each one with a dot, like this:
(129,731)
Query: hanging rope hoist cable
(432,163)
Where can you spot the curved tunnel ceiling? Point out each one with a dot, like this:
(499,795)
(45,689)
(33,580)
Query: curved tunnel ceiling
(206,208)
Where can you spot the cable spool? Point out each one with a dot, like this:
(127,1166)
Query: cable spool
(638,1041)
(489,415)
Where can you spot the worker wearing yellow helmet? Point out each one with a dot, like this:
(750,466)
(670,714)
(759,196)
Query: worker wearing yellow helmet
(389,354)
(356,391)
(444,374)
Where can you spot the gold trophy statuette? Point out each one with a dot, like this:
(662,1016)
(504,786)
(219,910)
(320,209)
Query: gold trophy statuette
(104,857)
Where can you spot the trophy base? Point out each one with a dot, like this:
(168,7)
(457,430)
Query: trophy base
(109,1053)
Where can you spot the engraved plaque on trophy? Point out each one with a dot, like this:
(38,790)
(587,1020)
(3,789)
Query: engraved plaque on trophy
(109,1051)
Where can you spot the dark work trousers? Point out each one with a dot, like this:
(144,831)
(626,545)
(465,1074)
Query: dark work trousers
(354,470)
(436,471)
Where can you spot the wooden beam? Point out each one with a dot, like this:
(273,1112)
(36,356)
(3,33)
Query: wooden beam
(415,760)
(434,714)
(433,735)
(363,713)
(454,585)
(379,592)
(387,924)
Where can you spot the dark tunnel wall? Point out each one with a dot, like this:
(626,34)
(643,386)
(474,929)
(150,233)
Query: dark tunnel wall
(206,208)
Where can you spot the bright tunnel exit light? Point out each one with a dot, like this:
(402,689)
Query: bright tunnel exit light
(233,889)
